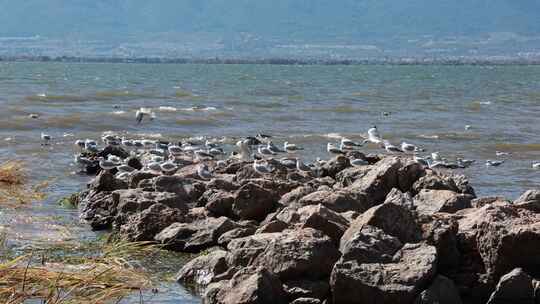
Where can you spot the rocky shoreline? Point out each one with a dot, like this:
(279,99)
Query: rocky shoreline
(392,231)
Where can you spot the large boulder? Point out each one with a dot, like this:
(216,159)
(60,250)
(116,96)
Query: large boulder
(433,180)
(236,233)
(291,254)
(202,270)
(219,202)
(173,184)
(143,226)
(348,176)
(394,279)
(106,182)
(337,200)
(529,200)
(195,236)
(252,202)
(515,287)
(136,200)
(441,291)
(317,217)
(247,286)
(96,209)
(136,177)
(295,195)
(393,219)
(428,202)
(441,232)
(378,182)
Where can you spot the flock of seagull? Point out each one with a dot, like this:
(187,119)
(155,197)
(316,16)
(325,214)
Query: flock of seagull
(166,158)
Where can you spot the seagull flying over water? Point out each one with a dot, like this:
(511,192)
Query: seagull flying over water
(139,115)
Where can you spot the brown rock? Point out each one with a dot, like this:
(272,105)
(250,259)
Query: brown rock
(428,202)
(338,201)
(441,291)
(291,254)
(515,287)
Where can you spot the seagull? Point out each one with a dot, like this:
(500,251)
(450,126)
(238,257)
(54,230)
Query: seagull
(126,142)
(494,163)
(406,147)
(139,115)
(204,172)
(468,127)
(202,155)
(332,149)
(290,163)
(115,159)
(300,166)
(349,144)
(106,164)
(536,165)
(175,150)
(273,148)
(291,148)
(208,144)
(252,141)
(245,150)
(83,161)
(373,136)
(421,160)
(168,167)
(154,167)
(261,168)
(358,162)
(464,163)
(80,143)
(391,148)
(216,151)
(125,168)
(147,143)
(45,138)
(436,156)
(265,151)
(90,145)
(500,153)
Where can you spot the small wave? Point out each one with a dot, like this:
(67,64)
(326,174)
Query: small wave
(198,108)
(126,94)
(119,112)
(149,135)
(183,94)
(334,135)
(47,97)
(167,109)
(346,109)
(429,136)
(196,122)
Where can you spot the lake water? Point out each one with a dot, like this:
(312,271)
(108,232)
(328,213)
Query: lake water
(308,105)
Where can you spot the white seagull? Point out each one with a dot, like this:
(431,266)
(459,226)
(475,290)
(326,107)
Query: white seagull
(333,149)
(204,172)
(300,166)
(373,136)
(261,168)
(291,148)
(45,138)
(494,163)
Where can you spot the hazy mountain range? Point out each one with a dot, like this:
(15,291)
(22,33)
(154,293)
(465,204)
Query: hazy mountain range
(316,28)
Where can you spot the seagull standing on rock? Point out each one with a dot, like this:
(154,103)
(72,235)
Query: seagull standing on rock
(291,148)
(300,166)
(390,148)
(203,172)
(333,149)
(261,168)
(410,148)
(373,136)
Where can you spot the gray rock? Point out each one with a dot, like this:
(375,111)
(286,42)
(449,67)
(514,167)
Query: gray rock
(397,280)
(393,219)
(252,202)
(514,287)
(248,286)
(236,233)
(306,289)
(428,202)
(338,201)
(441,291)
(195,236)
(202,270)
(143,226)
(529,200)
(291,254)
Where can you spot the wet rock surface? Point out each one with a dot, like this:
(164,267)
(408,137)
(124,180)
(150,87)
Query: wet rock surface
(388,232)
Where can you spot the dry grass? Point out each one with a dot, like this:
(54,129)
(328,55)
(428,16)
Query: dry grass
(104,278)
(14,190)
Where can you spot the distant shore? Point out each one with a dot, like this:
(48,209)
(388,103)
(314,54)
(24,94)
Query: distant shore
(490,60)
